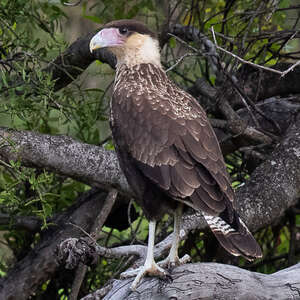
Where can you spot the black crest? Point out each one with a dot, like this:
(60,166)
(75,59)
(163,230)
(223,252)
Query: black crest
(131,26)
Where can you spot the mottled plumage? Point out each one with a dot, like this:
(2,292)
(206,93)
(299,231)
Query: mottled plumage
(166,146)
(169,152)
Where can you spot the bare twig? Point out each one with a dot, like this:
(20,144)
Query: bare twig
(282,73)
(245,99)
(179,60)
(185,43)
(290,68)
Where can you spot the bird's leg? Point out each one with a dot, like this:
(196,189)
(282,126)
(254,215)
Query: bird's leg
(150,267)
(173,259)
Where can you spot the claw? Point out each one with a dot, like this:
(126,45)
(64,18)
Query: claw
(171,262)
(148,269)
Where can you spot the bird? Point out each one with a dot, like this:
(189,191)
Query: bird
(166,147)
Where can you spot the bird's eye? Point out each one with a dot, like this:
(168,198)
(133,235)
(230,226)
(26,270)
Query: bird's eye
(123,30)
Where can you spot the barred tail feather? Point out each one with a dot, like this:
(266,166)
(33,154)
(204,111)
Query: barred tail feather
(234,236)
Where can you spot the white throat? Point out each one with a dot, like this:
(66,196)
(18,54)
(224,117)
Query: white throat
(137,50)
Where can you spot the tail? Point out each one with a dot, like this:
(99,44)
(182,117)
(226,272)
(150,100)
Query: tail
(234,236)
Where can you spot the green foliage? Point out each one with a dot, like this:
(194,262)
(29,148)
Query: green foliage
(105,11)
(26,191)
(30,38)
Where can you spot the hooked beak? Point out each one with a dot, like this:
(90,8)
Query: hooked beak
(107,37)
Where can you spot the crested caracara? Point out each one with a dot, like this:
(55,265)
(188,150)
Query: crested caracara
(166,146)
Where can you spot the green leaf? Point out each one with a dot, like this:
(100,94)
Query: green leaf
(172,42)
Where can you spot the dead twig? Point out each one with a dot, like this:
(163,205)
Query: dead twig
(179,60)
(281,73)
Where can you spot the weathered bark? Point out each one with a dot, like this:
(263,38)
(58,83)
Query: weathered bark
(63,155)
(275,184)
(210,281)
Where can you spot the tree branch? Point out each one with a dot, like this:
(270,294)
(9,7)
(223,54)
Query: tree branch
(75,59)
(29,223)
(274,185)
(210,281)
(63,155)
(70,64)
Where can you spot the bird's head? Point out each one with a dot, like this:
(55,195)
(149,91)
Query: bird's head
(131,42)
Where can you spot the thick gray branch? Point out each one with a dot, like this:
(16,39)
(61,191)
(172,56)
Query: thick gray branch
(63,155)
(191,281)
(274,185)
(29,223)
(210,281)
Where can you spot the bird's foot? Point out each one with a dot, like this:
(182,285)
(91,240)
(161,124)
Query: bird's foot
(172,261)
(151,269)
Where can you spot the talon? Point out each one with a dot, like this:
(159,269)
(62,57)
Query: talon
(172,262)
(130,273)
(185,259)
(150,267)
(152,270)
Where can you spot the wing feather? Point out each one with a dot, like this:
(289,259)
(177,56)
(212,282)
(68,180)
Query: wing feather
(158,137)
(170,142)
(200,205)
(187,174)
(216,204)
(194,148)
(184,189)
